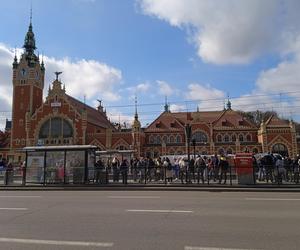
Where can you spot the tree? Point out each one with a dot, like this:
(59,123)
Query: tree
(257,117)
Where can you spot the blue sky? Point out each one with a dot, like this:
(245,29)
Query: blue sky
(191,51)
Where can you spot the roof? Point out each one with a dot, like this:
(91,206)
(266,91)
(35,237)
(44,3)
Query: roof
(93,115)
(168,121)
(277,122)
(58,148)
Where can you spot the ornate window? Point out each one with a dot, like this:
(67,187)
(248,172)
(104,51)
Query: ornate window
(172,139)
(226,138)
(165,139)
(178,139)
(248,138)
(233,138)
(241,137)
(151,140)
(56,131)
(280,148)
(199,137)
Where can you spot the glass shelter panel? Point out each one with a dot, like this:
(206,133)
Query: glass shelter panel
(75,165)
(55,167)
(91,166)
(35,167)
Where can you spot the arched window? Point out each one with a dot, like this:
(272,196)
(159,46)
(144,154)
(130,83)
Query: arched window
(226,138)
(280,148)
(172,139)
(199,137)
(241,137)
(178,139)
(248,137)
(219,138)
(151,139)
(233,138)
(56,131)
(165,139)
(158,139)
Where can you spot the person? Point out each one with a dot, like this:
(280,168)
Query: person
(150,169)
(191,171)
(224,166)
(9,173)
(296,170)
(281,171)
(268,164)
(134,165)
(168,170)
(141,166)
(183,163)
(124,171)
(215,162)
(200,165)
(100,172)
(115,166)
(209,168)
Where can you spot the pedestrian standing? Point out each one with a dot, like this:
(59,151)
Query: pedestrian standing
(224,166)
(124,171)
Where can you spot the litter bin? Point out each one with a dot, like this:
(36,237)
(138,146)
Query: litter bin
(244,168)
(9,176)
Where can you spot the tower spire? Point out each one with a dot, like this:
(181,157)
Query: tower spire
(228,104)
(29,43)
(136,116)
(166,104)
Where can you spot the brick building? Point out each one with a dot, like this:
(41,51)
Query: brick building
(63,120)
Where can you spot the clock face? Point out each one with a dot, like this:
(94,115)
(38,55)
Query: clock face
(23,72)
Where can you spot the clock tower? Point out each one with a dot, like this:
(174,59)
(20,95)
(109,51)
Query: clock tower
(28,84)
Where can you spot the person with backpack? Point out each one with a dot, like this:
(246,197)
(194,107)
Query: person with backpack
(224,166)
(200,166)
(124,171)
(115,167)
(168,170)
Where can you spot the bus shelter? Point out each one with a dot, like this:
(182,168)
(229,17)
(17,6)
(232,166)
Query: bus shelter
(72,164)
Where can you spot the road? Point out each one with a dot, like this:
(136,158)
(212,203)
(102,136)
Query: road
(148,220)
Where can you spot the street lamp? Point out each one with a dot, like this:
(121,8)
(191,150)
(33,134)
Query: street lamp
(194,146)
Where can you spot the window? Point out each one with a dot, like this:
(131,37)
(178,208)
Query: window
(248,137)
(200,137)
(57,129)
(165,139)
(172,139)
(151,140)
(178,139)
(219,138)
(233,138)
(226,138)
(21,122)
(241,138)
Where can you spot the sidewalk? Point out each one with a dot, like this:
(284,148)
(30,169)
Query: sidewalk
(157,187)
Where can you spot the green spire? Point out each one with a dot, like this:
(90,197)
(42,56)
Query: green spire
(166,104)
(228,104)
(29,43)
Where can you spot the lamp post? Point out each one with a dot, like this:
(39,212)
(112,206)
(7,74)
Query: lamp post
(188,134)
(194,147)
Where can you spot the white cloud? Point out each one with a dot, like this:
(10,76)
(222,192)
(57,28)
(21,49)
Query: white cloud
(165,88)
(231,31)
(82,77)
(86,77)
(177,108)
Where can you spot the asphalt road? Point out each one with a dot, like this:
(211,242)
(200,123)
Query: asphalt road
(148,220)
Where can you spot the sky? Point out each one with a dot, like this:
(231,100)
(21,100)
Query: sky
(192,52)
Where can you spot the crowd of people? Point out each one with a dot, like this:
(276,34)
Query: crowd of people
(275,168)
(163,169)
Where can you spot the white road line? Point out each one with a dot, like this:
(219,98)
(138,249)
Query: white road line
(58,242)
(158,211)
(19,196)
(134,197)
(272,199)
(213,248)
(13,208)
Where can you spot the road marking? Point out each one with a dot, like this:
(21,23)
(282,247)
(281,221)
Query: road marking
(213,248)
(272,199)
(134,197)
(19,196)
(58,242)
(158,211)
(13,208)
